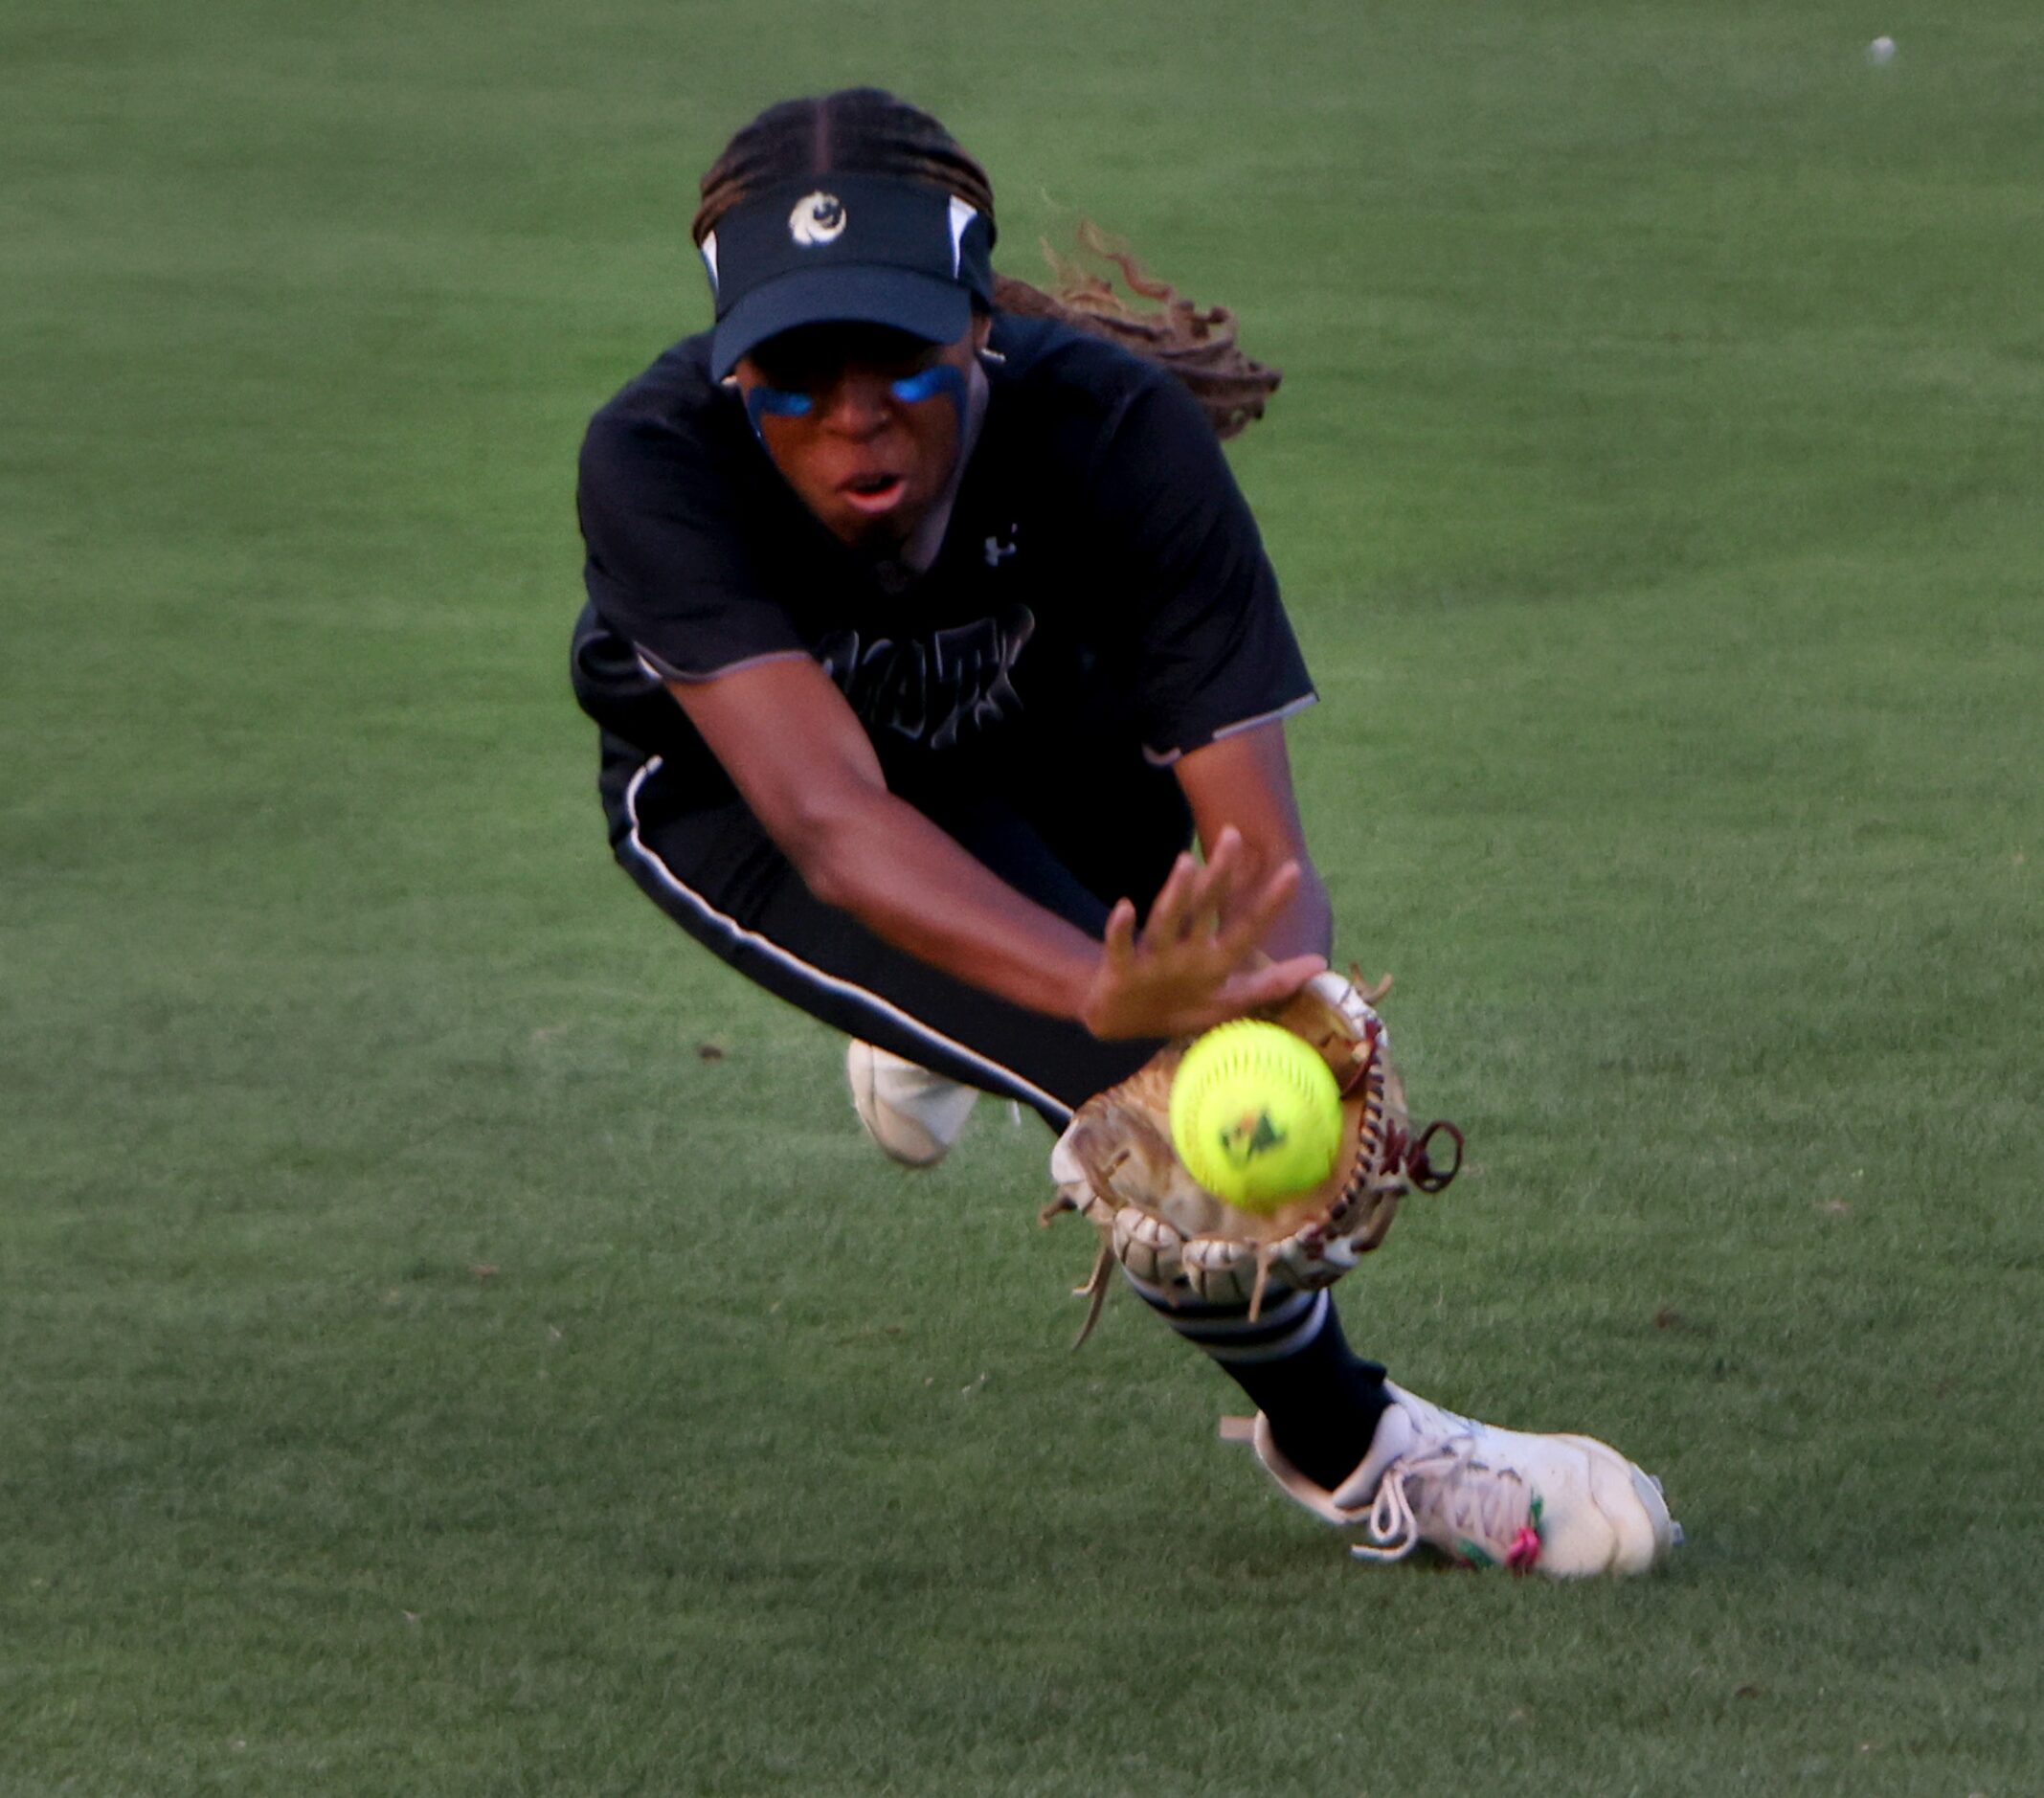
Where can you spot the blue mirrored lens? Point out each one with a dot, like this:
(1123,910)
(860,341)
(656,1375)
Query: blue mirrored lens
(911,390)
(780,403)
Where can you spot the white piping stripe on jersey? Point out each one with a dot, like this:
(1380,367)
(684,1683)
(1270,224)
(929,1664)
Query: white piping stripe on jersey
(1163,759)
(730,929)
(664,672)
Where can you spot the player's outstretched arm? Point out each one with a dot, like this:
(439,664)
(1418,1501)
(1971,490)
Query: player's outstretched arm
(800,758)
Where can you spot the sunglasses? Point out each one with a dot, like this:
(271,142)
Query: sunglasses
(940,380)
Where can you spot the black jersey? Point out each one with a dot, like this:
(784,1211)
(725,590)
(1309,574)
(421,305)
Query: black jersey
(1101,592)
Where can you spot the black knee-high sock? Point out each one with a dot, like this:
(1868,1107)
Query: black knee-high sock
(1323,1399)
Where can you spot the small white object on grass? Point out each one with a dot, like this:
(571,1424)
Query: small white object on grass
(1881,51)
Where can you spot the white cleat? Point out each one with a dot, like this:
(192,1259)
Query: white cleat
(913,1114)
(1566,1506)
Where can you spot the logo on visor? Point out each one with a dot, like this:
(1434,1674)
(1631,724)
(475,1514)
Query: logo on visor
(817,218)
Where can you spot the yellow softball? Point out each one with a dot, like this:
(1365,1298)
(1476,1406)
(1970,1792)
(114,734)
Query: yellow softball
(1255,1115)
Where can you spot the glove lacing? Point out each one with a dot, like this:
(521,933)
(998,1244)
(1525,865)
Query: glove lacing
(1475,1504)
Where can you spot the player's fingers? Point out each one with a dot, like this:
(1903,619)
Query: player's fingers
(1118,940)
(1252,920)
(1218,881)
(1252,989)
(1266,986)
(1169,913)
(1225,850)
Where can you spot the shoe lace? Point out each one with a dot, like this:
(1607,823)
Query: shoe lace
(1479,1513)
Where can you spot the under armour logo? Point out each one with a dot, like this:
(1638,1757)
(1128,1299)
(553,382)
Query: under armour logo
(996,551)
(818,218)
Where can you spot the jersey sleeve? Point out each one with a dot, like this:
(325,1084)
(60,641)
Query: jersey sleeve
(1214,652)
(667,564)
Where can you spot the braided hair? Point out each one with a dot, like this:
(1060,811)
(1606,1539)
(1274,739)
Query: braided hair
(864,131)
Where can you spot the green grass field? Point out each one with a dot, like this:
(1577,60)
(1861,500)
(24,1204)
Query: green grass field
(426,1373)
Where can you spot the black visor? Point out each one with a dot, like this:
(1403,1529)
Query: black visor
(846,249)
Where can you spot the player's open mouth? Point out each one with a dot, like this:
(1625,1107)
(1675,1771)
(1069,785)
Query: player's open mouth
(873,494)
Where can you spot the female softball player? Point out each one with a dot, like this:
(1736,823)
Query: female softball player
(926,628)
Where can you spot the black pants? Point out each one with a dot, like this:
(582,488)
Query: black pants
(716,873)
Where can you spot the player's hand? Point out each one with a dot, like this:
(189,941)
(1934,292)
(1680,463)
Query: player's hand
(1196,961)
